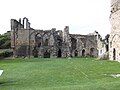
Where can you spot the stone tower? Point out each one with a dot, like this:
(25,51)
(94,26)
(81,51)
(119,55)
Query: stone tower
(20,37)
(114,41)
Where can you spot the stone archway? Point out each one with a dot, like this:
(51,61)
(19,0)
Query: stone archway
(83,52)
(114,54)
(59,53)
(92,52)
(35,52)
(38,40)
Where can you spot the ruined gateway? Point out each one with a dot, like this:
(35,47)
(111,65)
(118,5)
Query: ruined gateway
(114,53)
(28,42)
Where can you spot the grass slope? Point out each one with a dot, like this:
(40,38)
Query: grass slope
(59,74)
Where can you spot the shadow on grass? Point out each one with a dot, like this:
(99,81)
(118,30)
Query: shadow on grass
(8,83)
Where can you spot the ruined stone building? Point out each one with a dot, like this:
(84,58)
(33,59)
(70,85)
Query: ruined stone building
(114,53)
(28,42)
(102,45)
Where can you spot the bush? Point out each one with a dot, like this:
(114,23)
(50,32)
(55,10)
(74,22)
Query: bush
(6,53)
(5,41)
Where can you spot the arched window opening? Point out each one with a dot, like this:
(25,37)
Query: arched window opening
(74,43)
(35,52)
(107,48)
(114,54)
(39,44)
(92,52)
(76,53)
(38,40)
(83,52)
(46,42)
(59,42)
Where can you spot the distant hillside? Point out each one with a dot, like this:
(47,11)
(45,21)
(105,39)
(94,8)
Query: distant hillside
(5,41)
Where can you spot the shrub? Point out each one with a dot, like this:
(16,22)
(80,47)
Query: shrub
(6,53)
(5,41)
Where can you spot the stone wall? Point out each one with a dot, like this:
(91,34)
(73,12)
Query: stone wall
(114,53)
(28,42)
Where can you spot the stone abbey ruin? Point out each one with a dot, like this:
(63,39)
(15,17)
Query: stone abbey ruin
(29,42)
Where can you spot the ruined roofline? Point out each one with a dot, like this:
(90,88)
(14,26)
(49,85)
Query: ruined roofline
(90,34)
(82,35)
(77,35)
(26,29)
(52,29)
(49,30)
(43,29)
(16,21)
(21,23)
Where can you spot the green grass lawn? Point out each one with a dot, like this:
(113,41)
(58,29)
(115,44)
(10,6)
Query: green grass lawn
(59,74)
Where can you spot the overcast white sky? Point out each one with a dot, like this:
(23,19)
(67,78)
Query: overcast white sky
(82,16)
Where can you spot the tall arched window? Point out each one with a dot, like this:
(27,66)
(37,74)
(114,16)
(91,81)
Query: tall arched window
(46,42)
(83,52)
(92,52)
(38,40)
(114,54)
(76,53)
(74,43)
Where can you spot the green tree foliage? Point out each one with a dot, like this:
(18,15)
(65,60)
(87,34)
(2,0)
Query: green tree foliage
(5,41)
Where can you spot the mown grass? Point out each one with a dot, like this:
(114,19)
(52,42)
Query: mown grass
(59,74)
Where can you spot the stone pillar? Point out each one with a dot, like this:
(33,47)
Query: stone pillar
(13,36)
(67,42)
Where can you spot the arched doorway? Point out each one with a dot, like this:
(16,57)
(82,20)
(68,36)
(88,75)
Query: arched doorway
(47,54)
(35,52)
(76,53)
(38,40)
(46,42)
(114,54)
(92,52)
(107,48)
(83,52)
(59,53)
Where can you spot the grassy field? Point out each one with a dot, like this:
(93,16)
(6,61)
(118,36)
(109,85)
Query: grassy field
(59,74)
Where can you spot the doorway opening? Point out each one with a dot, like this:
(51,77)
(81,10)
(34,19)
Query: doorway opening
(83,52)
(76,53)
(59,53)
(92,52)
(114,54)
